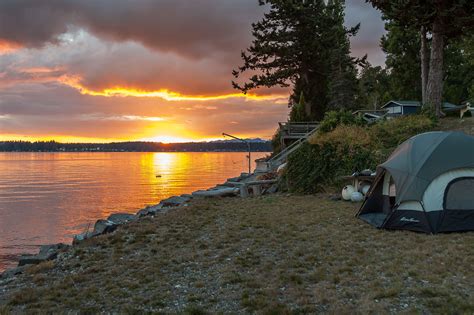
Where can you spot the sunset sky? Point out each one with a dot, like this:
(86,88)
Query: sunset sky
(160,70)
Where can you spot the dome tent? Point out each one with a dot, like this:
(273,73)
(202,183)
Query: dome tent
(426,185)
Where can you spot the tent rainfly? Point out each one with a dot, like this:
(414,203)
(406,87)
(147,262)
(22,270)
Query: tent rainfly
(426,185)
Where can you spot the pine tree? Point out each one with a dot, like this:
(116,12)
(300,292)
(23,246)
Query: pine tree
(401,45)
(298,44)
(342,86)
(298,111)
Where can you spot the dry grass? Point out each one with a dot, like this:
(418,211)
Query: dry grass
(465,125)
(269,255)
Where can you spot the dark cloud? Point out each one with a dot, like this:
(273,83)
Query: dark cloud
(191,28)
(196,29)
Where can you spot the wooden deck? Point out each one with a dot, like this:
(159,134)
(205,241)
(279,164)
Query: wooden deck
(295,131)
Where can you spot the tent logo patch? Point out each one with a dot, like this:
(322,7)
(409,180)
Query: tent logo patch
(409,220)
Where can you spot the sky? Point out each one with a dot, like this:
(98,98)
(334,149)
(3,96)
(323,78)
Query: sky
(153,70)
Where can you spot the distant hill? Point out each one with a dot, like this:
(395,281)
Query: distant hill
(256,145)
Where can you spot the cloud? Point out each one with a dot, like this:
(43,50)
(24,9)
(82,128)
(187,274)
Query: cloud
(191,29)
(170,62)
(188,28)
(60,110)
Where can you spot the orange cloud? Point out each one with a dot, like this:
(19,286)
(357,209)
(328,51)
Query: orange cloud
(75,82)
(7,47)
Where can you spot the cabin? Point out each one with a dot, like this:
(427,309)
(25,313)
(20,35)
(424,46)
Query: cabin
(399,108)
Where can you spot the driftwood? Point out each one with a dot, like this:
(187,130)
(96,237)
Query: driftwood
(216,192)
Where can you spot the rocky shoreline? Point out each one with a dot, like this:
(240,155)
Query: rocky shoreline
(242,186)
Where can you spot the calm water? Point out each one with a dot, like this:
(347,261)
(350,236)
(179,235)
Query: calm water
(48,197)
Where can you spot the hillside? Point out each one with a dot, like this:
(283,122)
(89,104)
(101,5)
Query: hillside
(465,125)
(276,254)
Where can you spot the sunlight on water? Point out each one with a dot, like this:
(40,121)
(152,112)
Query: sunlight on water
(48,197)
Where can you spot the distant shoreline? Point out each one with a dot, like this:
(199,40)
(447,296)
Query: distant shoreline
(117,151)
(255,145)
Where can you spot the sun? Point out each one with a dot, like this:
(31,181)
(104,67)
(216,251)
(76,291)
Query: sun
(167,139)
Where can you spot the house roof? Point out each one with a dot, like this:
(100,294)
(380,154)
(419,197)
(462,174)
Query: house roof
(418,104)
(404,103)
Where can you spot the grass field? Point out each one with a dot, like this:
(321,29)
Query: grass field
(277,254)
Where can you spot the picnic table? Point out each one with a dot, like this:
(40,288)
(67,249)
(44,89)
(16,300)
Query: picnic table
(358,180)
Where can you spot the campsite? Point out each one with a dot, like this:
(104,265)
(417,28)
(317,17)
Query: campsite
(267,157)
(278,253)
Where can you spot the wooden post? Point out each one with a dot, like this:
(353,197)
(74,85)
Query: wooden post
(257,190)
(244,193)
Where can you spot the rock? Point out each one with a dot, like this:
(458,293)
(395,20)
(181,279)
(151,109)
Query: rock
(29,260)
(151,210)
(12,272)
(103,227)
(52,250)
(174,201)
(81,237)
(188,196)
(233,179)
(121,218)
(47,252)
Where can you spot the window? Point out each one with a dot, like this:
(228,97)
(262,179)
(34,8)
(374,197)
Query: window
(459,194)
(395,110)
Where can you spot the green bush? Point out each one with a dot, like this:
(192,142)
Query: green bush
(332,119)
(314,168)
(391,133)
(276,142)
(319,164)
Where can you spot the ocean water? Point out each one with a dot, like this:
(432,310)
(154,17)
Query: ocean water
(48,197)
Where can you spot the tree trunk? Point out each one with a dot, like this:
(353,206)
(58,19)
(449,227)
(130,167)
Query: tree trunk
(424,64)
(307,105)
(434,88)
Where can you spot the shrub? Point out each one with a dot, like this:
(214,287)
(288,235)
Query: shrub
(326,157)
(276,142)
(313,167)
(332,119)
(391,133)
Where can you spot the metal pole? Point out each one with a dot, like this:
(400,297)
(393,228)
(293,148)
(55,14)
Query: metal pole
(250,167)
(248,146)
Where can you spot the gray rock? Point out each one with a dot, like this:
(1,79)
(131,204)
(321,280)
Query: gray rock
(174,201)
(81,237)
(30,260)
(103,227)
(188,196)
(121,218)
(12,272)
(233,179)
(47,252)
(151,210)
(52,250)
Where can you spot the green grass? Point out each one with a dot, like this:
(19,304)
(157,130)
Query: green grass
(268,255)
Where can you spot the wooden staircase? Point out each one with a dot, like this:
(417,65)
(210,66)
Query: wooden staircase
(299,133)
